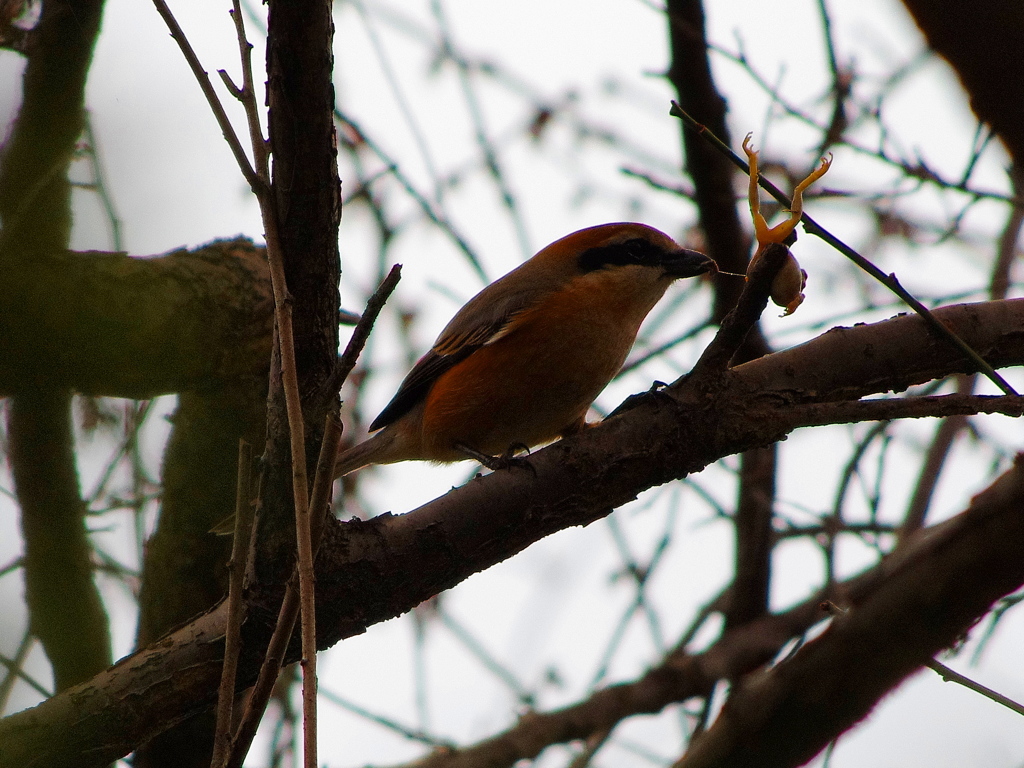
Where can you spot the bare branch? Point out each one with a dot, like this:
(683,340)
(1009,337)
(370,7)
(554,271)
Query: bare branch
(361,333)
(236,606)
(890,281)
(211,96)
(820,414)
(952,676)
(376,569)
(273,659)
(926,601)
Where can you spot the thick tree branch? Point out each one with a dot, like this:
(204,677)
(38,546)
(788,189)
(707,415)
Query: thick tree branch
(370,571)
(682,675)
(690,74)
(729,244)
(109,324)
(34,188)
(886,409)
(751,585)
(981,41)
(850,363)
(307,208)
(65,610)
(929,598)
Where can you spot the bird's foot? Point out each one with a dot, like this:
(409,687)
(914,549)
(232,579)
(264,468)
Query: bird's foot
(658,392)
(507,460)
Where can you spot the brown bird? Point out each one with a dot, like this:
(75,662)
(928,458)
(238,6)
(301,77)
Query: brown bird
(521,362)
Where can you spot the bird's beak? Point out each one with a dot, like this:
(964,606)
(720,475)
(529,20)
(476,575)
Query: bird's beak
(687,263)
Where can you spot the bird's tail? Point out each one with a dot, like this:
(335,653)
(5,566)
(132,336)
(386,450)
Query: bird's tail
(373,450)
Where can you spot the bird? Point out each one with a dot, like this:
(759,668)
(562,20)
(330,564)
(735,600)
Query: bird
(520,364)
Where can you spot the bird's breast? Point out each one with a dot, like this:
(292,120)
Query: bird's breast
(534,382)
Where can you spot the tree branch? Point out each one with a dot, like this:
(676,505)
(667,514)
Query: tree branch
(982,43)
(110,324)
(373,570)
(739,651)
(65,609)
(928,599)
(820,414)
(690,74)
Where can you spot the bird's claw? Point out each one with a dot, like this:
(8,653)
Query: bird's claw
(658,393)
(507,460)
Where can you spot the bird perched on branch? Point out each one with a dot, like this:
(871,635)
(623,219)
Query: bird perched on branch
(521,362)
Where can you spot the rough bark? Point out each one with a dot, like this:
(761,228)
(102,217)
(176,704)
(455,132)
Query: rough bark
(307,192)
(109,324)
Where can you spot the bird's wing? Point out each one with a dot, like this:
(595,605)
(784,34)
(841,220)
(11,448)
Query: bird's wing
(487,317)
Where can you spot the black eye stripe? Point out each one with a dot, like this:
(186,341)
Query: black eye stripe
(634,251)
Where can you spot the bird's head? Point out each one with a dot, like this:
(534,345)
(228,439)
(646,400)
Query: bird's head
(611,246)
(622,258)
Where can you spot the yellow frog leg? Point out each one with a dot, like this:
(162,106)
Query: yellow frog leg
(787,288)
(798,193)
(761,229)
(779,232)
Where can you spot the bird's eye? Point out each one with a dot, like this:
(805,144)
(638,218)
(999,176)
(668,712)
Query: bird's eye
(634,251)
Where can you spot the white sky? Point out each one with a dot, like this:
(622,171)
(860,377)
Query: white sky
(174,184)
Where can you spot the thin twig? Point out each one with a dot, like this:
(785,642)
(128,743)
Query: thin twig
(916,170)
(247,96)
(950,676)
(486,658)
(320,504)
(931,468)
(278,645)
(863,530)
(737,324)
(949,430)
(260,182)
(206,85)
(813,228)
(260,694)
(362,330)
(840,87)
(717,604)
(413,734)
(14,669)
(409,114)
(476,115)
(297,439)
(883,409)
(323,481)
(355,345)
(590,748)
(436,217)
(101,187)
(236,607)
(286,618)
(292,397)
